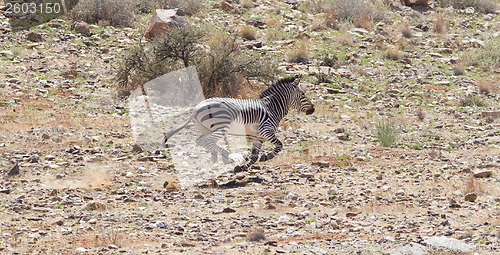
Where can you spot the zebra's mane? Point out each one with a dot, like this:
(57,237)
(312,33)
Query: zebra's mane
(275,86)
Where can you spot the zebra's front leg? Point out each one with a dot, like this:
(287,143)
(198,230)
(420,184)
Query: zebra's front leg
(253,158)
(278,145)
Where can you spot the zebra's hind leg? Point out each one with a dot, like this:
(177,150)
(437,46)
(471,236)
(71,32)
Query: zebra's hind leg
(278,145)
(253,158)
(209,142)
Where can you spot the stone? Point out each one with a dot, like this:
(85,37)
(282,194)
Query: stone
(34,36)
(14,170)
(137,148)
(493,114)
(163,20)
(443,243)
(424,3)
(471,197)
(482,173)
(81,27)
(343,137)
(57,221)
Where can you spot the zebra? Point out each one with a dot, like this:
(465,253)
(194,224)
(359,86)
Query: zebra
(257,119)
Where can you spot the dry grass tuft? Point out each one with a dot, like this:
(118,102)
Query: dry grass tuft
(487,57)
(459,68)
(439,25)
(273,22)
(116,12)
(420,114)
(471,100)
(393,53)
(248,33)
(485,86)
(406,31)
(474,186)
(299,55)
(483,6)
(247,4)
(256,235)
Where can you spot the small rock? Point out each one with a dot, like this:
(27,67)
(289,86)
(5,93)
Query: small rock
(81,250)
(34,37)
(343,137)
(137,148)
(482,173)
(471,197)
(14,170)
(57,221)
(352,214)
(227,6)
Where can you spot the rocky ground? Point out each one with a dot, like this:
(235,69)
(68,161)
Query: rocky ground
(72,181)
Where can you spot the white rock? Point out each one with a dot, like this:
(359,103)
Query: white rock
(81,250)
(451,244)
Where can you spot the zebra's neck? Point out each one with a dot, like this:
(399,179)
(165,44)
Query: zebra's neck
(278,103)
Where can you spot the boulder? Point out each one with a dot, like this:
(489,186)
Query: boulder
(163,20)
(34,36)
(82,27)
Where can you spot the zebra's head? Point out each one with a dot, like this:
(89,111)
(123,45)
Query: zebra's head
(299,98)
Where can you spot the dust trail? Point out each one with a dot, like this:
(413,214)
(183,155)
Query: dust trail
(94,175)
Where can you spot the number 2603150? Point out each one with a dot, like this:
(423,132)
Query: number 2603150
(27,8)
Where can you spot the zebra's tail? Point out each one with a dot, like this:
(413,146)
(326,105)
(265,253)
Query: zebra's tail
(177,129)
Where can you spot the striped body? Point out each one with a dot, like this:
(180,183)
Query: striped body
(257,119)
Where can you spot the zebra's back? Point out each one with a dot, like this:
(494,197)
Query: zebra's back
(239,116)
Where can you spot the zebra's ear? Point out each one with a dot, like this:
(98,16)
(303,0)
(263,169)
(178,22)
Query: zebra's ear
(297,79)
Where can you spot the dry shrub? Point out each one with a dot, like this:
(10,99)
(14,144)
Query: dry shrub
(299,54)
(393,53)
(247,32)
(108,236)
(222,67)
(116,12)
(459,68)
(485,86)
(345,37)
(420,114)
(256,235)
(483,6)
(439,25)
(406,31)
(273,22)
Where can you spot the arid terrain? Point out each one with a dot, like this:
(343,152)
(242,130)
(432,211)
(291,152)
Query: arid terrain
(401,156)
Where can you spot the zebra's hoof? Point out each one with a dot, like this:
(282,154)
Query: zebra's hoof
(238,169)
(263,158)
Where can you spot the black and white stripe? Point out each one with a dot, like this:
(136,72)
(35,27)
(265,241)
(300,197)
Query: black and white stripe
(257,119)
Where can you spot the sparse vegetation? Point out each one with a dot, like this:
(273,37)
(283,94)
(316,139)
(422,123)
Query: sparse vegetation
(406,31)
(471,100)
(115,12)
(222,69)
(247,32)
(485,86)
(484,6)
(393,53)
(439,24)
(487,57)
(386,132)
(300,54)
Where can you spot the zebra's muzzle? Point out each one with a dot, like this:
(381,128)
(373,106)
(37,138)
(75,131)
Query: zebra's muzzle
(310,111)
